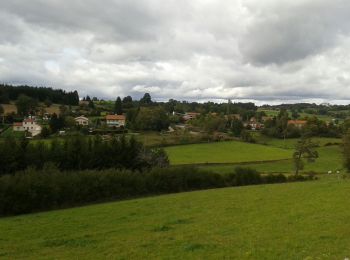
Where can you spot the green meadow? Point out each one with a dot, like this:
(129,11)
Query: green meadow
(304,220)
(224,152)
(330,159)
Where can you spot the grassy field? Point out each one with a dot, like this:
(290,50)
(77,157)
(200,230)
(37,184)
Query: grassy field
(162,139)
(290,143)
(272,113)
(10,133)
(11,108)
(330,159)
(306,220)
(224,152)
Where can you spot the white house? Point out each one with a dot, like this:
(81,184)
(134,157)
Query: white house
(28,124)
(115,120)
(82,120)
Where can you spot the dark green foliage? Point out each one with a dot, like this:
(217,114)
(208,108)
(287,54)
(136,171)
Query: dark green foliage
(56,123)
(26,105)
(8,92)
(79,153)
(118,106)
(45,132)
(149,118)
(304,148)
(247,136)
(146,99)
(34,190)
(236,127)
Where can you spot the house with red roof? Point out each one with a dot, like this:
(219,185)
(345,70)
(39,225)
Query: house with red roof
(28,124)
(115,120)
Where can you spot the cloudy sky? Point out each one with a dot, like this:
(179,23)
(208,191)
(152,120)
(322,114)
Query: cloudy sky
(269,51)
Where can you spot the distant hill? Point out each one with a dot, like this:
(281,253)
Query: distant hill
(10,93)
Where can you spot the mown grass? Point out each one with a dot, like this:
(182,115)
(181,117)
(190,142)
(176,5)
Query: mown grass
(224,152)
(281,221)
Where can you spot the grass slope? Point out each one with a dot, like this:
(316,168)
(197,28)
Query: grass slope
(282,221)
(224,152)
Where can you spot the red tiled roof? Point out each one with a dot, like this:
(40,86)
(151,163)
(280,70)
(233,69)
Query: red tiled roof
(115,117)
(17,124)
(29,120)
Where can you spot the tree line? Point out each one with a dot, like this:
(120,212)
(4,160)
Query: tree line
(79,153)
(49,188)
(11,93)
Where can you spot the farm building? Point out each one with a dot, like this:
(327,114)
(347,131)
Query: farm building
(115,120)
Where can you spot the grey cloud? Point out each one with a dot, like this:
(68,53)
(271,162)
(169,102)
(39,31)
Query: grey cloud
(197,50)
(293,30)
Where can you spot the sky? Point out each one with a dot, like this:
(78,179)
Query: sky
(271,51)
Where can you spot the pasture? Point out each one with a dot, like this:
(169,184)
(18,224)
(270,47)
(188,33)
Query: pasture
(224,152)
(305,220)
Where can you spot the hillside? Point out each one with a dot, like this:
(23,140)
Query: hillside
(281,221)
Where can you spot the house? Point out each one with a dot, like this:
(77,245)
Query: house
(115,120)
(28,124)
(82,120)
(297,123)
(190,115)
(254,124)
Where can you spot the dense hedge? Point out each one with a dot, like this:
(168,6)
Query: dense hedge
(34,190)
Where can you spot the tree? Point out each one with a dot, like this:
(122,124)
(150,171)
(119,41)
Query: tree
(247,137)
(295,114)
(56,123)
(282,123)
(91,104)
(118,106)
(69,121)
(48,102)
(151,119)
(25,105)
(304,149)
(45,132)
(236,127)
(146,99)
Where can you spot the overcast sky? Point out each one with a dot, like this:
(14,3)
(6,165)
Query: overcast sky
(269,51)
